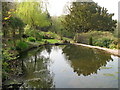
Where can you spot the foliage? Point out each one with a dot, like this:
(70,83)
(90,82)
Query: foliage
(38,36)
(33,33)
(21,45)
(6,55)
(27,28)
(103,42)
(90,40)
(49,35)
(5,70)
(86,16)
(9,17)
(16,23)
(99,38)
(31,39)
(31,13)
(57,26)
(113,46)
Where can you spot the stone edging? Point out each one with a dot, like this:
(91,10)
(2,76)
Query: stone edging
(115,52)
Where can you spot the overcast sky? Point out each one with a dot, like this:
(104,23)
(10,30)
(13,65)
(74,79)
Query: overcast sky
(56,6)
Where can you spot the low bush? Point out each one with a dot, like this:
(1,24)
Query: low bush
(112,46)
(103,42)
(6,55)
(90,41)
(5,70)
(38,36)
(31,39)
(99,38)
(21,45)
(50,35)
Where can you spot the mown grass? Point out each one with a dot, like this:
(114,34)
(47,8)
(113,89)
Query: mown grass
(52,41)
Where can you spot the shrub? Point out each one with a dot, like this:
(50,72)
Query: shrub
(52,35)
(12,48)
(113,46)
(82,38)
(103,42)
(31,33)
(90,41)
(27,29)
(31,39)
(118,46)
(5,70)
(6,55)
(99,38)
(21,45)
(38,36)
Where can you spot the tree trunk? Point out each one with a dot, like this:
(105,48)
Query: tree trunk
(14,38)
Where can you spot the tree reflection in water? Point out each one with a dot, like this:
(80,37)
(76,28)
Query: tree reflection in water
(86,61)
(37,74)
(46,67)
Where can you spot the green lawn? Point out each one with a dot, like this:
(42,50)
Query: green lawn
(52,41)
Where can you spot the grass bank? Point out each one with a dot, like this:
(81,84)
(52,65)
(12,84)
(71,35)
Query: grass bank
(12,50)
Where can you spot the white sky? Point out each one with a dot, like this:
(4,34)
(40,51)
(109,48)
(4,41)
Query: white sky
(111,5)
(56,6)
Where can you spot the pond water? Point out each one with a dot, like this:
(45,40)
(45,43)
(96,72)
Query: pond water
(68,66)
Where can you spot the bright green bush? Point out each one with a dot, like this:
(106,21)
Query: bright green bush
(31,39)
(21,45)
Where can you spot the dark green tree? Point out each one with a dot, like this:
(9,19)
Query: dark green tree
(86,16)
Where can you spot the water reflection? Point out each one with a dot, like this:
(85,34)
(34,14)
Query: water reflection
(36,70)
(86,61)
(66,67)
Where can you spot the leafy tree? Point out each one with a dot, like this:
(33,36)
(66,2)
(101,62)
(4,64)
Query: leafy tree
(32,14)
(16,23)
(86,16)
(5,16)
(57,27)
(11,23)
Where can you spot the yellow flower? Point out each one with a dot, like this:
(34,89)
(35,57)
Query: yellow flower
(5,18)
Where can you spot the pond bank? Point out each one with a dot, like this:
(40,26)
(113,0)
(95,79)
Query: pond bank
(51,63)
(26,50)
(111,51)
(33,47)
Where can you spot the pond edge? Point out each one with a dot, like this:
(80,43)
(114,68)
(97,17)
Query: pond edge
(111,51)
